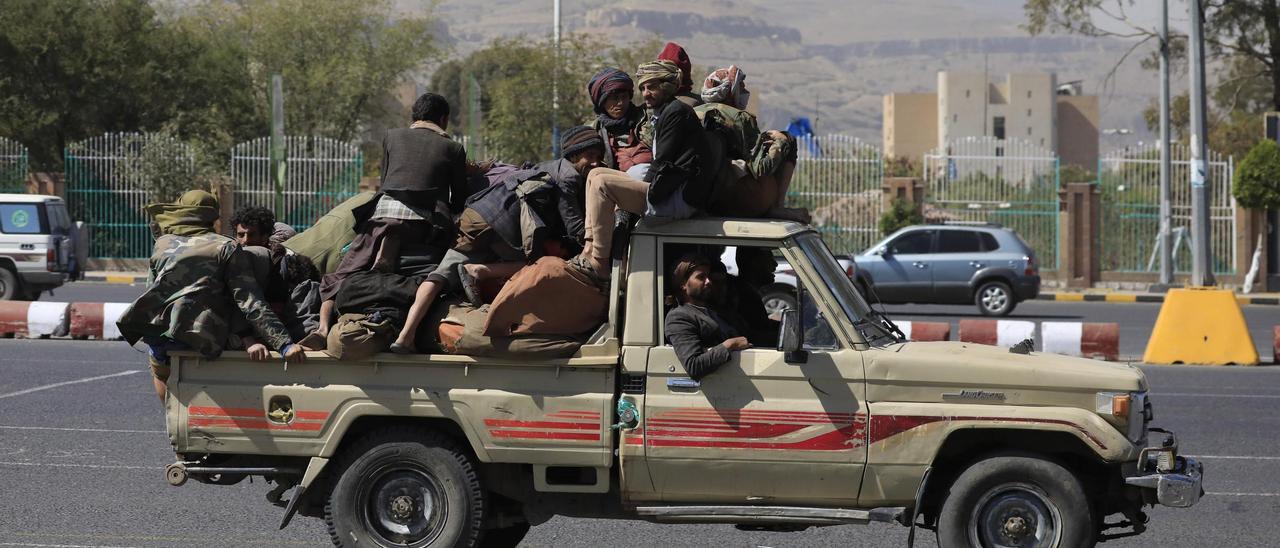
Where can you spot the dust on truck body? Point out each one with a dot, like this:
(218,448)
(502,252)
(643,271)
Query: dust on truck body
(844,423)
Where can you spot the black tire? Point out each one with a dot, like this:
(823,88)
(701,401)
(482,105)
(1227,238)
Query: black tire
(9,288)
(994,298)
(506,537)
(405,487)
(1016,501)
(775,301)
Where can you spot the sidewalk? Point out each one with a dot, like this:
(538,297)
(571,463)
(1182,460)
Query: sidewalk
(1119,296)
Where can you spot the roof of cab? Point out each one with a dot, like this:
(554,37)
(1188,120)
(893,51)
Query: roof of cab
(771,229)
(28,198)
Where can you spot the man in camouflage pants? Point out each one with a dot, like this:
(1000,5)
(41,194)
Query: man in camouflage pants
(201,284)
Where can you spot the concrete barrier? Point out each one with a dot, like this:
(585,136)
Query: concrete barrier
(1089,340)
(95,320)
(925,331)
(996,332)
(33,319)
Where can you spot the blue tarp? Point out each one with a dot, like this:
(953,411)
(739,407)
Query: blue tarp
(802,129)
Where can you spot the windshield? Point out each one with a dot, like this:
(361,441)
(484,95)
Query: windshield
(873,326)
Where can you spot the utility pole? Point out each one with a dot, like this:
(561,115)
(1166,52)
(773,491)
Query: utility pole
(277,141)
(555,84)
(1201,272)
(1166,207)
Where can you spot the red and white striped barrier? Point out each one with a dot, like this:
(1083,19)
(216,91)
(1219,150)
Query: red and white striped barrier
(96,320)
(925,331)
(33,319)
(997,332)
(1089,340)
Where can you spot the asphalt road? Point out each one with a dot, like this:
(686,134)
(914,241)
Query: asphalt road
(1136,319)
(82,448)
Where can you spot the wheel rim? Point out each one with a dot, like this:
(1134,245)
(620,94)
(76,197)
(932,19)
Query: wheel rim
(404,505)
(775,305)
(1015,516)
(994,298)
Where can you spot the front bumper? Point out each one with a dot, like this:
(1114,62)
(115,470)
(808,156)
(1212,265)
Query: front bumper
(1180,487)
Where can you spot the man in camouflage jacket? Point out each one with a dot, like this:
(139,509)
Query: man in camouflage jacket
(200,282)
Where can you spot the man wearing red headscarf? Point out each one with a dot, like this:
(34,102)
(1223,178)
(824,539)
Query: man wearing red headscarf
(676,54)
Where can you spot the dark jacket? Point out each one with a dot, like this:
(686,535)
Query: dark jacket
(573,196)
(421,167)
(697,339)
(682,157)
(503,207)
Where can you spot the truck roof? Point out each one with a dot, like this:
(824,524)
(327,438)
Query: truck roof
(28,198)
(724,227)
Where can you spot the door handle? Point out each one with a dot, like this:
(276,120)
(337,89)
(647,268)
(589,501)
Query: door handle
(919,264)
(975,264)
(683,385)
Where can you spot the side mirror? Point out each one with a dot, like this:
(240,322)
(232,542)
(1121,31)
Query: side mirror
(884,251)
(791,337)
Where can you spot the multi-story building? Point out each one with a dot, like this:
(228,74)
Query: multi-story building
(1026,107)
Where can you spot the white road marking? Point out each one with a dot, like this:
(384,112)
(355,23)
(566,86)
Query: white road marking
(65,383)
(1233,457)
(60,545)
(94,430)
(69,465)
(1195,395)
(1214,493)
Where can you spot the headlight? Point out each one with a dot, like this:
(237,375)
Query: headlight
(1129,410)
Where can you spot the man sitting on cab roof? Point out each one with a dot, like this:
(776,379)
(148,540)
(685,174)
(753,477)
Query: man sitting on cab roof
(703,339)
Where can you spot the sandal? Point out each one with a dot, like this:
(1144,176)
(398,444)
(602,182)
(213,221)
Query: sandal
(584,266)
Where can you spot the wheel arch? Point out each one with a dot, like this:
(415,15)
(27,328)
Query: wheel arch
(962,448)
(1004,275)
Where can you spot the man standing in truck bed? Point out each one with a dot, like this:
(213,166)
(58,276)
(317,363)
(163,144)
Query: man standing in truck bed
(200,282)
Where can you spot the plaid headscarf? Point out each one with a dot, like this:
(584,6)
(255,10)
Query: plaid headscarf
(605,83)
(664,71)
(727,86)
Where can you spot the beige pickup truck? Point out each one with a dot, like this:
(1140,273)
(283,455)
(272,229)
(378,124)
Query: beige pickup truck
(844,423)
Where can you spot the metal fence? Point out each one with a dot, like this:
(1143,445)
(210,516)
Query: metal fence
(1011,182)
(319,174)
(13,166)
(838,179)
(108,195)
(1130,183)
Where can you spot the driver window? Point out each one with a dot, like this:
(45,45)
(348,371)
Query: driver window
(818,334)
(912,242)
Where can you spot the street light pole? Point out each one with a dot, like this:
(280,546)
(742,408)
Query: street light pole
(1166,207)
(1201,273)
(555,83)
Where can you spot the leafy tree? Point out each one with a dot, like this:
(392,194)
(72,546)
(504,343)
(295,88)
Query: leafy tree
(515,76)
(1257,178)
(340,58)
(901,213)
(72,69)
(1243,36)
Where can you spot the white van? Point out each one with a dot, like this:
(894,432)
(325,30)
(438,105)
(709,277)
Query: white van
(37,245)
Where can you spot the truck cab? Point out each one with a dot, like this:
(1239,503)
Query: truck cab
(842,422)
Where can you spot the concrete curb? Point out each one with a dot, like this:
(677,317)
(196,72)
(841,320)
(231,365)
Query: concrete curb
(33,320)
(116,278)
(1139,298)
(1088,340)
(95,320)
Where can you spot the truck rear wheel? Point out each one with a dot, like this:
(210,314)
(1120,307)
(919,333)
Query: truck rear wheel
(1021,501)
(9,289)
(406,487)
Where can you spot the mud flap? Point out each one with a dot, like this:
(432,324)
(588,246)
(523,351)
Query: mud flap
(915,510)
(314,468)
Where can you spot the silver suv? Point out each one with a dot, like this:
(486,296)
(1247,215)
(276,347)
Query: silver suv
(987,265)
(37,246)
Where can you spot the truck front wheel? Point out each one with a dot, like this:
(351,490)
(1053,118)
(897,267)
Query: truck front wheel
(406,487)
(1019,501)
